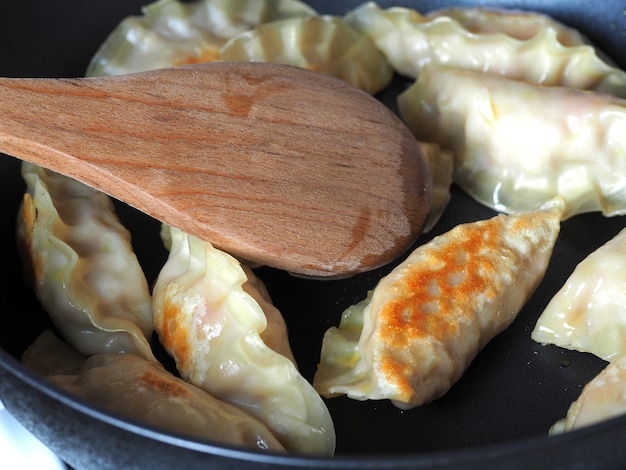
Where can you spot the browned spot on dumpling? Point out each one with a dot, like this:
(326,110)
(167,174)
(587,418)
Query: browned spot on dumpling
(174,335)
(210,54)
(400,372)
(454,274)
(426,320)
(439,294)
(157,383)
(34,270)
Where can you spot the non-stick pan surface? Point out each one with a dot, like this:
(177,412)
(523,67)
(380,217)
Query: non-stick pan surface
(497,415)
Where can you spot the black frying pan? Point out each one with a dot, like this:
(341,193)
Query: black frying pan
(497,415)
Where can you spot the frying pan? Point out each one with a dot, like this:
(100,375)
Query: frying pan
(496,416)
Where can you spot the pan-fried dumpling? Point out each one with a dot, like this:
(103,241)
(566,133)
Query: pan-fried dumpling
(130,386)
(540,51)
(173,32)
(422,325)
(324,44)
(216,333)
(517,144)
(604,397)
(81,264)
(589,312)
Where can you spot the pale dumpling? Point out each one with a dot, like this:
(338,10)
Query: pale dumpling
(221,341)
(517,144)
(413,337)
(589,312)
(130,386)
(530,47)
(522,25)
(325,44)
(604,397)
(173,32)
(82,267)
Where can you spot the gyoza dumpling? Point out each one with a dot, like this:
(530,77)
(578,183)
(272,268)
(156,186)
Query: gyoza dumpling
(589,312)
(324,44)
(173,32)
(143,390)
(517,144)
(82,266)
(522,25)
(604,397)
(217,334)
(540,52)
(422,325)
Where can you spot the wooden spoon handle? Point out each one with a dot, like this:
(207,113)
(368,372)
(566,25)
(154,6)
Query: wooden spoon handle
(275,164)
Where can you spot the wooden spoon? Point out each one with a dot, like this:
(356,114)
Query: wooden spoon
(274,164)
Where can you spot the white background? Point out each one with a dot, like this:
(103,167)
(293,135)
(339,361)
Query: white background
(21,450)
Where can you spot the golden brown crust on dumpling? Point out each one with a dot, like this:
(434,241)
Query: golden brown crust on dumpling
(441,293)
(173,333)
(429,317)
(214,317)
(28,214)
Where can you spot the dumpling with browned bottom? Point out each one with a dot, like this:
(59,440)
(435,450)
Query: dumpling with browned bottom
(422,325)
(227,339)
(142,390)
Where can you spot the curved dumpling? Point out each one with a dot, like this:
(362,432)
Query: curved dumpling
(589,312)
(517,144)
(173,32)
(424,322)
(215,332)
(604,397)
(143,390)
(547,56)
(522,25)
(324,44)
(82,266)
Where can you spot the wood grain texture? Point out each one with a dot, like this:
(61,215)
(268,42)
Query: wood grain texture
(275,164)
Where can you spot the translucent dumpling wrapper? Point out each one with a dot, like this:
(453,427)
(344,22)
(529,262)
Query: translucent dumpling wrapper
(517,144)
(549,56)
(415,334)
(588,313)
(144,391)
(220,338)
(172,32)
(522,25)
(441,165)
(604,397)
(324,44)
(81,264)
